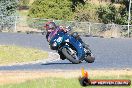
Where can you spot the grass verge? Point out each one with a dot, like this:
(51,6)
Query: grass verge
(58,79)
(61,83)
(15,54)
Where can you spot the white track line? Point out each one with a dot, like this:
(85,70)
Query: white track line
(52,57)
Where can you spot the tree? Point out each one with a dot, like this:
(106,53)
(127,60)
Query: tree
(122,17)
(86,12)
(51,9)
(7,9)
(107,14)
(24,2)
(111,14)
(76,2)
(125,3)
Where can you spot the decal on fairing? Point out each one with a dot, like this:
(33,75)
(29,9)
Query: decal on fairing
(59,39)
(67,40)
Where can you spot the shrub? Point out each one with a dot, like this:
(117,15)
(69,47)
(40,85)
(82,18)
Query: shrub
(7,9)
(86,12)
(51,9)
(107,14)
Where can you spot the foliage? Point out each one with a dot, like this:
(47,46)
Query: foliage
(75,4)
(8,7)
(86,12)
(126,3)
(107,14)
(122,17)
(24,2)
(80,11)
(112,14)
(52,9)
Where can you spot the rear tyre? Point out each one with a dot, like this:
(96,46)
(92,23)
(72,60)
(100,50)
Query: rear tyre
(72,58)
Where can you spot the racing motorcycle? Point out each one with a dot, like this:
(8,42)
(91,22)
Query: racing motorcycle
(68,47)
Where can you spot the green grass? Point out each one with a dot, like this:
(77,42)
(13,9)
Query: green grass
(15,54)
(23,13)
(62,83)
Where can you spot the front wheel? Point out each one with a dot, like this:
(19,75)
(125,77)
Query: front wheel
(90,59)
(62,56)
(71,55)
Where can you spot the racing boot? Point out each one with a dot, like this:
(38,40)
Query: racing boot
(84,44)
(76,35)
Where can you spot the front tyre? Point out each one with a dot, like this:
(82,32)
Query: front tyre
(62,56)
(71,55)
(89,59)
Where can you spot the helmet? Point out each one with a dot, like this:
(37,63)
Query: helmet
(50,25)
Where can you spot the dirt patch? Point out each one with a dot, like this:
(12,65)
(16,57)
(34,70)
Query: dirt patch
(7,77)
(111,33)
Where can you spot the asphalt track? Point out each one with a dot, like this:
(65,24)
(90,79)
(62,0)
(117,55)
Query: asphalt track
(110,53)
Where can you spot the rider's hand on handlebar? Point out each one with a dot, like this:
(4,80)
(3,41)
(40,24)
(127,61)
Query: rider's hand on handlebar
(65,29)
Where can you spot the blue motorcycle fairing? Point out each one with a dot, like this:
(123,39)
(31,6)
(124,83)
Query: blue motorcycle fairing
(76,44)
(62,37)
(58,38)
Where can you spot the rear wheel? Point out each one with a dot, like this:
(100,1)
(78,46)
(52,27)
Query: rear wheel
(71,55)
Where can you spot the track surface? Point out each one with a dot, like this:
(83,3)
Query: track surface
(110,53)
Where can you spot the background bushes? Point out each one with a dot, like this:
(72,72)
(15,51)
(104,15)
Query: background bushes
(80,11)
(52,9)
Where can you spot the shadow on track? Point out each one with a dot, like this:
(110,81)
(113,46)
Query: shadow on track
(55,63)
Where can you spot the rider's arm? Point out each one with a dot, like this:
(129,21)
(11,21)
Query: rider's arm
(49,30)
(63,28)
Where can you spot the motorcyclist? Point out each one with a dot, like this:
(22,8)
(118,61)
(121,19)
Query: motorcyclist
(51,26)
